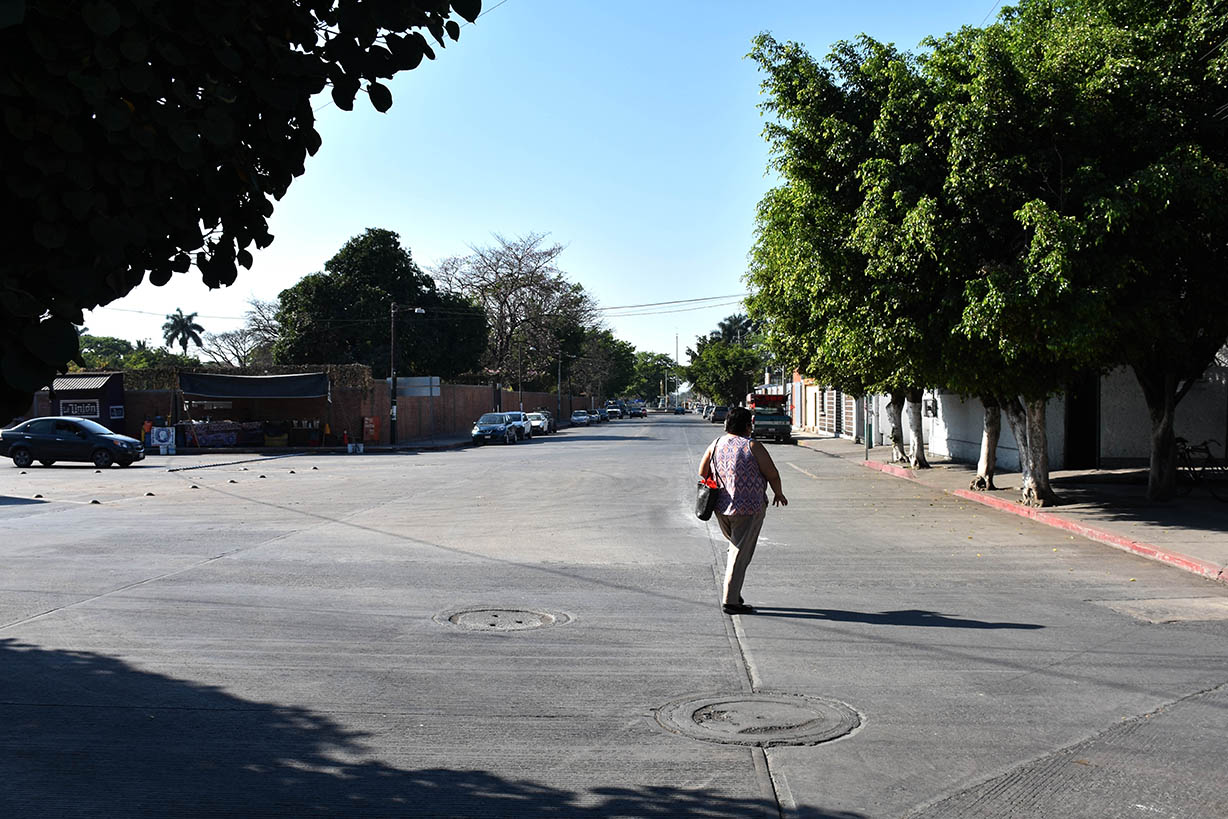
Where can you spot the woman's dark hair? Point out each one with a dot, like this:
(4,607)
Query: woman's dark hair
(737,422)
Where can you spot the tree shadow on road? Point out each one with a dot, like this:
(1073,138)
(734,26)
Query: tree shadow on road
(904,617)
(82,734)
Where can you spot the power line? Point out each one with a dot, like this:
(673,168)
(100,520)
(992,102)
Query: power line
(677,301)
(680,310)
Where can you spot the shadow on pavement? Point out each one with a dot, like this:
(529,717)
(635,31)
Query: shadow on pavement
(1126,501)
(82,734)
(9,500)
(905,617)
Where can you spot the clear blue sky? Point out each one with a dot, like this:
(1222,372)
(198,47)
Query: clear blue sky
(627,131)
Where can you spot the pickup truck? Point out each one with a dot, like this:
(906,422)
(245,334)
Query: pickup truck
(771,422)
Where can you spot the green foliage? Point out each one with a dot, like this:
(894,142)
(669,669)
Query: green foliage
(725,372)
(606,365)
(146,138)
(844,270)
(343,315)
(105,352)
(651,372)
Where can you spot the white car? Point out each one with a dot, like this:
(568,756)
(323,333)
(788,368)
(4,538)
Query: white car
(539,423)
(580,418)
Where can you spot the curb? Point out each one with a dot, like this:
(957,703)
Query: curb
(1198,566)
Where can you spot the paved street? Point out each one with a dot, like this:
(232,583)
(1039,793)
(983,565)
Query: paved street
(288,637)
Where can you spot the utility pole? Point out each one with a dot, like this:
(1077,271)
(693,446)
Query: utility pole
(392,369)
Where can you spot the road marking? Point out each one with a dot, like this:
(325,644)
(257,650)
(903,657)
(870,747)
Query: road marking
(803,471)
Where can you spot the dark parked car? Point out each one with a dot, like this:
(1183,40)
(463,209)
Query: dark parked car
(494,426)
(637,411)
(48,440)
(602,415)
(718,415)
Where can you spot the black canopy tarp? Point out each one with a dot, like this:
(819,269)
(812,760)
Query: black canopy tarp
(298,385)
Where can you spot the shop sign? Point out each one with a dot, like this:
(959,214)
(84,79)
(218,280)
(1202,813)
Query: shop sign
(81,409)
(117,413)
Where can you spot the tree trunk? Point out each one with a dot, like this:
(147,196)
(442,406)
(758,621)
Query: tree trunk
(1037,491)
(988,463)
(894,409)
(916,450)
(1161,393)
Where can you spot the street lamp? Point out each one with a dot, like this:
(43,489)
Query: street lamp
(392,365)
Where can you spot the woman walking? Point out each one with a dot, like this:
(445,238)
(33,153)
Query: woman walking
(743,470)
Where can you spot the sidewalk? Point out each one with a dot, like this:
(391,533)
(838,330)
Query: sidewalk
(1108,506)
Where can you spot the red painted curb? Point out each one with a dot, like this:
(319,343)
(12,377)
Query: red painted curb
(1181,561)
(891,469)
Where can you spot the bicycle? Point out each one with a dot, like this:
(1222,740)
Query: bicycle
(1197,465)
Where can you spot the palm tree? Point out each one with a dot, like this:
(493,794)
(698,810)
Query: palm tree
(732,329)
(180,329)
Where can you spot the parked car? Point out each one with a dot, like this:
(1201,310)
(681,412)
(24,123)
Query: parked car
(718,415)
(551,424)
(580,418)
(539,423)
(48,440)
(602,415)
(614,412)
(637,411)
(679,410)
(494,426)
(707,411)
(524,429)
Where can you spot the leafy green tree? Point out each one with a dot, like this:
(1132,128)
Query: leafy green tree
(182,329)
(725,372)
(843,272)
(105,352)
(1084,147)
(651,372)
(606,365)
(344,314)
(142,139)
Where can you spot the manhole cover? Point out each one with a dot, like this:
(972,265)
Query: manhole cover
(495,619)
(763,719)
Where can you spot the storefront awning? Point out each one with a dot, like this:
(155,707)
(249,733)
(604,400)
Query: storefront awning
(298,385)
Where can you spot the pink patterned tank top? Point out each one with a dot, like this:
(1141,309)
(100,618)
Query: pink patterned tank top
(743,489)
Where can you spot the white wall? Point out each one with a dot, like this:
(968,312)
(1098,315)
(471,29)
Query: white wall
(1125,426)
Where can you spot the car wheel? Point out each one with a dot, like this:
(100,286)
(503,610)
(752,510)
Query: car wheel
(46,462)
(102,458)
(22,457)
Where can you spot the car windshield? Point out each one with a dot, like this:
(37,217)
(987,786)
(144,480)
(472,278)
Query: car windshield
(92,426)
(491,418)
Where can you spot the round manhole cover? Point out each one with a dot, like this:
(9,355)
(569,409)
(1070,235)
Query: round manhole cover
(763,719)
(497,619)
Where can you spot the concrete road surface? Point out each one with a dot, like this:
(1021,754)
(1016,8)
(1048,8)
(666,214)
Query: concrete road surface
(339,636)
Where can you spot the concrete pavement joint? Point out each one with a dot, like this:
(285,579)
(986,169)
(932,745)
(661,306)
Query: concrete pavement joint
(1068,750)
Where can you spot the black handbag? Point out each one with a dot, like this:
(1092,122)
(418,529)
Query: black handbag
(706,493)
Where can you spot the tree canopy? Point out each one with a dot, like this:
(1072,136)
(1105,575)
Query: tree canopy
(344,314)
(1026,201)
(145,139)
